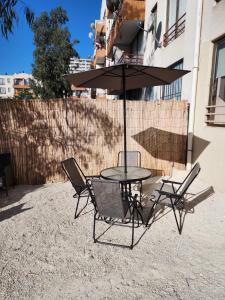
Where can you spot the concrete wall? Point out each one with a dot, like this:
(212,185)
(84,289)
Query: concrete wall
(209,141)
(182,47)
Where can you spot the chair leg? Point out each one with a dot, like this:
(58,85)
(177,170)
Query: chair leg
(173,207)
(94,227)
(78,200)
(152,210)
(132,239)
(140,190)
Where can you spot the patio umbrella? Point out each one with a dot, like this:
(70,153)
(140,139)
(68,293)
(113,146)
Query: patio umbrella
(123,77)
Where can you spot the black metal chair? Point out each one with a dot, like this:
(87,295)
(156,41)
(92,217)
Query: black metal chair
(113,206)
(6,175)
(78,180)
(178,191)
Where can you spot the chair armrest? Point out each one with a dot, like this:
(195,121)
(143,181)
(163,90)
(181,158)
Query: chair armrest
(171,181)
(168,194)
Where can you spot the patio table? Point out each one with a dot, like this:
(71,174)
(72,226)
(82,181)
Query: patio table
(133,174)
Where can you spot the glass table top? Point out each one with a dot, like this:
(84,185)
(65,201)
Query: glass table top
(133,174)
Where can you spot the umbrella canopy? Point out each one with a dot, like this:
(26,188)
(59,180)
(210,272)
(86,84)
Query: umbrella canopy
(136,76)
(124,77)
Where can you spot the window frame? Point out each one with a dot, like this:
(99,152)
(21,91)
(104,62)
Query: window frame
(177,97)
(177,14)
(2,81)
(2,88)
(211,105)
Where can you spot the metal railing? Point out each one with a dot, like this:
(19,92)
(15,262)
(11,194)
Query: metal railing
(174,31)
(135,59)
(215,114)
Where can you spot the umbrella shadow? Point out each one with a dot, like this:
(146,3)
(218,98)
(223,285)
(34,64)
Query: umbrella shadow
(166,145)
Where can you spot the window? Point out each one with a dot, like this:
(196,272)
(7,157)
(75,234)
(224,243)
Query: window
(26,81)
(9,90)
(216,108)
(2,81)
(2,90)
(8,80)
(173,90)
(154,19)
(176,9)
(175,20)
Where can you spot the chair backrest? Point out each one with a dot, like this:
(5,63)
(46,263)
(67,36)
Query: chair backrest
(133,159)
(189,179)
(74,174)
(108,198)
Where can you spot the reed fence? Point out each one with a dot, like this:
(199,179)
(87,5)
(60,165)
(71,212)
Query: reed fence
(39,134)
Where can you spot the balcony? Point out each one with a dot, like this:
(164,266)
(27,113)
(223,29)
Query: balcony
(215,115)
(99,57)
(174,31)
(21,86)
(134,59)
(99,27)
(125,25)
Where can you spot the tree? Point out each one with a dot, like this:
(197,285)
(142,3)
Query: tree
(52,54)
(8,15)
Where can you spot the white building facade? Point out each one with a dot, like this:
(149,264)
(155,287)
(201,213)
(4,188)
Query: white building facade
(12,85)
(80,65)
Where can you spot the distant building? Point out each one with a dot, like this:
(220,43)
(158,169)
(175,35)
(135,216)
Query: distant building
(12,85)
(80,65)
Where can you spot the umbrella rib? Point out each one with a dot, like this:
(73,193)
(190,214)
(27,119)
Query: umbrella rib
(155,77)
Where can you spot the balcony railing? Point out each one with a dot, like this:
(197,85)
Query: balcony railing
(131,58)
(99,57)
(174,31)
(127,11)
(215,115)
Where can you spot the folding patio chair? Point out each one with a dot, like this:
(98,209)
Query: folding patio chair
(133,158)
(112,205)
(78,180)
(178,191)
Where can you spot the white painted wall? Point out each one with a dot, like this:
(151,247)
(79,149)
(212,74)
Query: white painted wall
(182,47)
(209,141)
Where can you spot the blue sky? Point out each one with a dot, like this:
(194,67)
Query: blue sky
(17,51)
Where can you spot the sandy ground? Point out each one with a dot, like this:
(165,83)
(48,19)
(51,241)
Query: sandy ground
(46,254)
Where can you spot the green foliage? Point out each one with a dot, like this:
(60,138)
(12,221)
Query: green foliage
(25,94)
(8,15)
(52,54)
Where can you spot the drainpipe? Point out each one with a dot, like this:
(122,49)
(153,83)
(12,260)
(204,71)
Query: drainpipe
(194,84)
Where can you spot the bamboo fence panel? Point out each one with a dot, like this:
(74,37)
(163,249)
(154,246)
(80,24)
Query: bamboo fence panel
(39,134)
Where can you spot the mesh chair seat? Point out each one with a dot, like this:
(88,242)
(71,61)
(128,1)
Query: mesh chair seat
(110,202)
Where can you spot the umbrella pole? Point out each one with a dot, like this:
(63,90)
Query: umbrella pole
(124,119)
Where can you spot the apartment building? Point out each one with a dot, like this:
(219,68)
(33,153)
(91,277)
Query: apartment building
(178,34)
(80,65)
(12,85)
